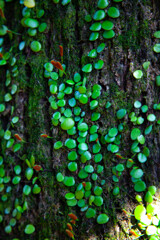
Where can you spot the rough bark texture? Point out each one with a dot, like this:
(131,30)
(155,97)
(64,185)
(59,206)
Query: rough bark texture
(132,46)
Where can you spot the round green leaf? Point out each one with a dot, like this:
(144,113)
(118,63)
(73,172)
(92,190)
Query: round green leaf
(26,190)
(103,4)
(29,229)
(67,124)
(121,113)
(87,68)
(113,12)
(36,46)
(59,177)
(140,186)
(99,15)
(139,212)
(138,74)
(102,218)
(90,213)
(156,48)
(69,181)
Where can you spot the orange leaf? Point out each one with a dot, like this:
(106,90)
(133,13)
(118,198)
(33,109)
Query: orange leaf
(133,233)
(69,226)
(61,50)
(69,233)
(18,137)
(57,65)
(73,222)
(1,55)
(37,167)
(73,216)
(149,216)
(43,135)
(130,160)
(119,156)
(1,13)
(84,184)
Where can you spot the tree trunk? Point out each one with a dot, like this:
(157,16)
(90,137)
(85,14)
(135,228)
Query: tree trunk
(126,52)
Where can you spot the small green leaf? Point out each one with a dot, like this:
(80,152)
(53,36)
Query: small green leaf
(103,4)
(140,186)
(151,117)
(138,74)
(99,15)
(121,113)
(29,229)
(139,212)
(113,12)
(36,46)
(102,218)
(156,48)
(87,68)
(26,190)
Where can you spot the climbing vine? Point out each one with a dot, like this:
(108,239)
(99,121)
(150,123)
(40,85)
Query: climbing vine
(76,109)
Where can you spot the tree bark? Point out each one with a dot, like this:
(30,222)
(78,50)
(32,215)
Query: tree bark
(125,53)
